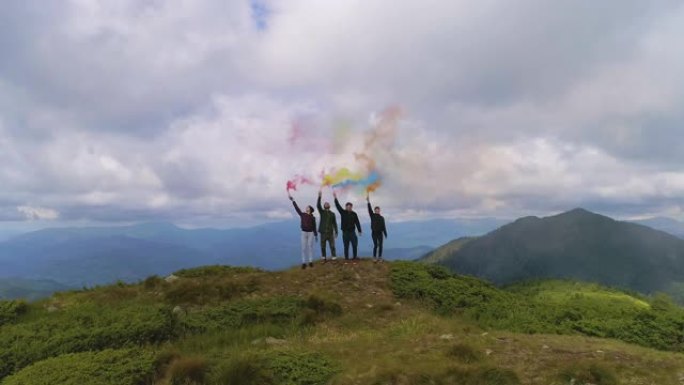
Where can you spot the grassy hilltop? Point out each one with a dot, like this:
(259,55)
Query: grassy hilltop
(394,323)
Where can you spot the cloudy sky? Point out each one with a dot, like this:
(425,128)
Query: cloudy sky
(198,112)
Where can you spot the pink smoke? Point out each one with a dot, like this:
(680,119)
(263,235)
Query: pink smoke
(296,181)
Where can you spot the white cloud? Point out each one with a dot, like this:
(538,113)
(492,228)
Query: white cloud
(183,110)
(38,213)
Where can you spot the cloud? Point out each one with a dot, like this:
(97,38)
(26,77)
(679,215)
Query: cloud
(184,111)
(38,213)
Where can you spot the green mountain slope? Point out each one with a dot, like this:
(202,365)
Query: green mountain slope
(394,323)
(444,252)
(578,245)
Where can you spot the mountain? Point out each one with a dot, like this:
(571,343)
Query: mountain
(667,225)
(11,288)
(444,252)
(577,244)
(364,324)
(89,256)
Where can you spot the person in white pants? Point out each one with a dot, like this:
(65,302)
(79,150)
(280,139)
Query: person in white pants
(307,247)
(309,232)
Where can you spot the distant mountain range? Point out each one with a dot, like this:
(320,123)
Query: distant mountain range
(77,257)
(667,225)
(28,289)
(577,244)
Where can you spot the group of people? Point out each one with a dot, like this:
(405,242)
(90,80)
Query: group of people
(328,230)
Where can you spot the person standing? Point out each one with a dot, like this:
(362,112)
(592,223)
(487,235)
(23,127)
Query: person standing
(378,229)
(327,228)
(349,222)
(309,232)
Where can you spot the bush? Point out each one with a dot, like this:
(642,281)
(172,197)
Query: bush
(200,292)
(464,353)
(215,270)
(82,328)
(242,313)
(318,309)
(188,371)
(457,376)
(248,370)
(561,307)
(592,374)
(282,368)
(107,367)
(152,282)
(278,310)
(11,310)
(300,368)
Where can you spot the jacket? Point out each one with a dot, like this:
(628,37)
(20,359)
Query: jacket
(348,219)
(328,223)
(377,221)
(308,221)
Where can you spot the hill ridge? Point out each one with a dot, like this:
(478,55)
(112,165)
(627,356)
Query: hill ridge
(577,244)
(365,324)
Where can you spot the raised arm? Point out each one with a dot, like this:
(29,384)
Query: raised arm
(337,204)
(370,209)
(318,202)
(296,207)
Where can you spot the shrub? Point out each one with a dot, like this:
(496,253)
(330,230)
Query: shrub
(592,374)
(215,270)
(300,368)
(248,370)
(188,371)
(199,292)
(455,376)
(317,309)
(464,353)
(152,282)
(107,367)
(82,328)
(282,368)
(241,313)
(561,307)
(277,310)
(11,310)
(494,376)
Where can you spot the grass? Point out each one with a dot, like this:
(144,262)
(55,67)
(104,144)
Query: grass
(338,324)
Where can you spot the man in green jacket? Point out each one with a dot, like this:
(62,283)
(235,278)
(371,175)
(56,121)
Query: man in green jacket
(327,228)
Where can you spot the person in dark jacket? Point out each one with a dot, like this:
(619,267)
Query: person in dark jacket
(349,222)
(309,232)
(378,229)
(327,228)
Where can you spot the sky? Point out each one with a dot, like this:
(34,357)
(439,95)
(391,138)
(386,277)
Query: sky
(198,112)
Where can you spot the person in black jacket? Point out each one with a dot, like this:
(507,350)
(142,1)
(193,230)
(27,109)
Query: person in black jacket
(378,229)
(349,223)
(309,232)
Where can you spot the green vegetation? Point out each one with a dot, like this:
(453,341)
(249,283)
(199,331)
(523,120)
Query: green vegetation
(546,307)
(394,323)
(11,310)
(286,368)
(591,374)
(83,328)
(214,270)
(579,245)
(444,252)
(106,367)
(241,313)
